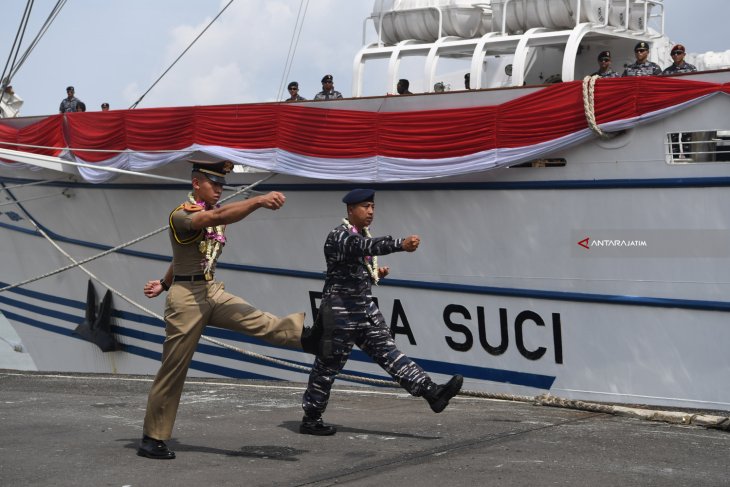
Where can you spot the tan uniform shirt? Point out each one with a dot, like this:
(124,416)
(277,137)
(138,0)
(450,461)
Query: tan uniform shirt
(187,260)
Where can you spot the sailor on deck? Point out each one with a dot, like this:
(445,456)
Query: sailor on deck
(642,66)
(349,316)
(328,89)
(678,65)
(604,66)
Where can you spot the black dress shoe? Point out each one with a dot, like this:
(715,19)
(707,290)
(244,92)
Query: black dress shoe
(316,427)
(152,448)
(438,396)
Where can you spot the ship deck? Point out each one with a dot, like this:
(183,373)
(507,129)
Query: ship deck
(82,430)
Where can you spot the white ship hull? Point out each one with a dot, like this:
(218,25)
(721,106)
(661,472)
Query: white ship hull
(500,291)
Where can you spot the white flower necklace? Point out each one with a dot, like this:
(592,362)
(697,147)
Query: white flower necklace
(371,263)
(212,243)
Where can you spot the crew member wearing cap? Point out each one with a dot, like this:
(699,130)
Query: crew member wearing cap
(195,299)
(105,107)
(349,316)
(70,103)
(604,66)
(681,141)
(328,89)
(678,65)
(293,88)
(642,66)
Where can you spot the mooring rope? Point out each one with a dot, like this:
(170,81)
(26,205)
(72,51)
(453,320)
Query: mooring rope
(708,421)
(80,263)
(589,105)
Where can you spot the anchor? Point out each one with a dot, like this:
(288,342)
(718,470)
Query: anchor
(97,329)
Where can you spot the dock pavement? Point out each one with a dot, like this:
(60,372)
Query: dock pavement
(82,430)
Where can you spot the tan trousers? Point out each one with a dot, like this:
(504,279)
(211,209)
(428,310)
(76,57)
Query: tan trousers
(188,309)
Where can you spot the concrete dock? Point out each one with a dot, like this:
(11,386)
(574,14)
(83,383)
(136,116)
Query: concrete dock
(83,430)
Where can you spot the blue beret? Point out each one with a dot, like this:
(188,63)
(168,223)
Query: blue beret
(358,196)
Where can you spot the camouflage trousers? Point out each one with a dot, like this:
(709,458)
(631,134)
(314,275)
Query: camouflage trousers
(365,327)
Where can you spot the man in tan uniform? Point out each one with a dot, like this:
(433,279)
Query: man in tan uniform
(195,299)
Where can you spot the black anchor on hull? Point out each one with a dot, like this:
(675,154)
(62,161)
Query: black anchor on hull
(97,328)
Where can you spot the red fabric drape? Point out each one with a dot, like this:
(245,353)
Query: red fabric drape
(47,133)
(550,113)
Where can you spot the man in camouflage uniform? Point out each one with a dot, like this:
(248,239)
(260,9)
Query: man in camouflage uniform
(682,141)
(642,66)
(293,89)
(679,66)
(604,66)
(195,299)
(71,103)
(328,89)
(349,316)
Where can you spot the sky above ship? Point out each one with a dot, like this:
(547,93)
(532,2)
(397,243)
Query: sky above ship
(113,51)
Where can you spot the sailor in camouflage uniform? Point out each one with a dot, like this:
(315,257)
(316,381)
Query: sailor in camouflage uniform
(679,66)
(681,141)
(349,316)
(604,66)
(642,66)
(195,299)
(328,89)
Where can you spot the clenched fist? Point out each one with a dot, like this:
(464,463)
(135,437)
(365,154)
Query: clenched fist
(273,200)
(411,242)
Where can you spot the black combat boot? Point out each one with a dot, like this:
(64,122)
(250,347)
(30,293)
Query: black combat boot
(438,396)
(152,448)
(312,336)
(311,426)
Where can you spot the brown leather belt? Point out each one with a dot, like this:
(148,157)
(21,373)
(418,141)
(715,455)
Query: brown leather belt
(195,278)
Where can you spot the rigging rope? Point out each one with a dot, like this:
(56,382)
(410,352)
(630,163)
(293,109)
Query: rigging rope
(51,195)
(80,263)
(134,105)
(4,82)
(44,28)
(293,46)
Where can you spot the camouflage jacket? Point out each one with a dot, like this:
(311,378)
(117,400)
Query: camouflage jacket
(328,95)
(609,73)
(346,255)
(645,69)
(684,68)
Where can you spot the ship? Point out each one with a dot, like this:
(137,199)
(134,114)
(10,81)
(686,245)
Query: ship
(575,237)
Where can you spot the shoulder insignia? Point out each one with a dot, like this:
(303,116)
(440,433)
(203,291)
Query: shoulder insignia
(178,238)
(191,207)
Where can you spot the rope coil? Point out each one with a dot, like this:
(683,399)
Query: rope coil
(589,105)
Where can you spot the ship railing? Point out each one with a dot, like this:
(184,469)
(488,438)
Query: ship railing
(709,146)
(518,44)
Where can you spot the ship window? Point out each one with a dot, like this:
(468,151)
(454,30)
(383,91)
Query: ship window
(689,147)
(543,163)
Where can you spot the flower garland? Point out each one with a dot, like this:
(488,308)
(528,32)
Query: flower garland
(371,263)
(211,244)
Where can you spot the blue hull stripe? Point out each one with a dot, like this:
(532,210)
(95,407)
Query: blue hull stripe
(480,373)
(693,304)
(436,286)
